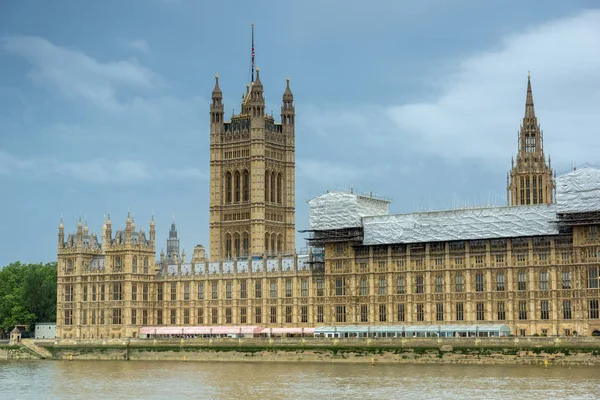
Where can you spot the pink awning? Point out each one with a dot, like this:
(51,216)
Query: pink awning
(200,330)
(288,331)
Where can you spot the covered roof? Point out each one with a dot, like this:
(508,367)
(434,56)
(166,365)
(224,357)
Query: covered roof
(414,328)
(339,210)
(578,191)
(464,224)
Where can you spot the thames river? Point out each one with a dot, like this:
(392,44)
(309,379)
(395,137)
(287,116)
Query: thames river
(179,380)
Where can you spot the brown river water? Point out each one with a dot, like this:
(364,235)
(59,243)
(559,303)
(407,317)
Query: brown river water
(197,380)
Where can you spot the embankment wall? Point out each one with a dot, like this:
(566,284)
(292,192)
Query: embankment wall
(556,351)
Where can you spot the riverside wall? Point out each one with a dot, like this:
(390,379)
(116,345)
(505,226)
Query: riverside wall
(530,350)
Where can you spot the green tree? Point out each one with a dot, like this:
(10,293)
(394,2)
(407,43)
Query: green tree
(27,294)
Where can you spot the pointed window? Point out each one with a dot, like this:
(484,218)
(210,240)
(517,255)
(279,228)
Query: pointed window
(228,188)
(245,244)
(267,242)
(246,183)
(528,190)
(279,182)
(541,191)
(267,182)
(522,191)
(535,191)
(237,244)
(237,186)
(273,187)
(228,245)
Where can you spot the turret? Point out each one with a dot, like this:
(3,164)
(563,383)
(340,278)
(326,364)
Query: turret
(254,103)
(216,107)
(61,234)
(108,232)
(79,233)
(152,232)
(287,108)
(128,228)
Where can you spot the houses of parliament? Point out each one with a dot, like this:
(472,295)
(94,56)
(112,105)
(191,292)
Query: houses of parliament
(531,265)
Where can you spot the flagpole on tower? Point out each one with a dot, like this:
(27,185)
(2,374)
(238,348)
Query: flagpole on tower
(252,52)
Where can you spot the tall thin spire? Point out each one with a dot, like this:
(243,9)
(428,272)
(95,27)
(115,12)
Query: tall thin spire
(252,52)
(529,109)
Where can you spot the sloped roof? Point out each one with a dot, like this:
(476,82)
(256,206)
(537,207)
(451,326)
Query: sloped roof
(464,224)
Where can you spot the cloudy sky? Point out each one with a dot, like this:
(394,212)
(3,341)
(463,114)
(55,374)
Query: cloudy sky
(104,105)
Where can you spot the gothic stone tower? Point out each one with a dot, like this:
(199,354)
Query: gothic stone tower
(252,177)
(531,179)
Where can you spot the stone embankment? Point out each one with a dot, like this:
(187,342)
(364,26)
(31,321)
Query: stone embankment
(551,351)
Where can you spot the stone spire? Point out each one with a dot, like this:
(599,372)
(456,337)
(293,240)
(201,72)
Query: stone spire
(529,108)
(531,179)
(216,93)
(173,243)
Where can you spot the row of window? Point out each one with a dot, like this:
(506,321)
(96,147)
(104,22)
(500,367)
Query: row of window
(439,283)
(340,314)
(593,282)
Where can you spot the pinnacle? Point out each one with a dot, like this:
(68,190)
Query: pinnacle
(529,108)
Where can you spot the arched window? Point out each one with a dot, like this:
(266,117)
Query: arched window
(245,244)
(267,183)
(134,265)
(279,244)
(273,187)
(228,245)
(279,181)
(237,186)
(273,248)
(69,265)
(228,187)
(236,243)
(145,265)
(522,189)
(267,243)
(534,190)
(246,183)
(528,190)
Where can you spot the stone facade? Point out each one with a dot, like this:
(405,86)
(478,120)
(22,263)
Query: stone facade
(544,285)
(252,177)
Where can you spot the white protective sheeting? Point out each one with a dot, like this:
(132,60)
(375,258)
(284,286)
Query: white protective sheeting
(466,224)
(339,210)
(578,191)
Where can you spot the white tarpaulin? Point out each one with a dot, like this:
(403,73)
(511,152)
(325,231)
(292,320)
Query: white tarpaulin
(339,210)
(578,191)
(466,224)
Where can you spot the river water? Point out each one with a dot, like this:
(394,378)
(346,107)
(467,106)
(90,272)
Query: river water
(179,380)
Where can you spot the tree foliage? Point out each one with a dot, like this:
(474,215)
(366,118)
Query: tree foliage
(27,294)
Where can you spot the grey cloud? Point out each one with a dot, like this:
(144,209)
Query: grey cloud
(97,171)
(78,75)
